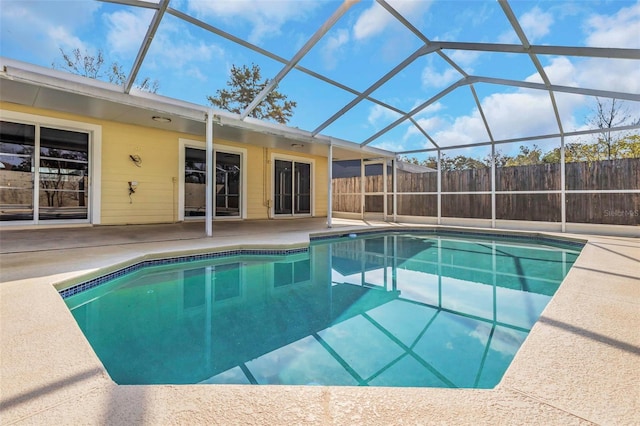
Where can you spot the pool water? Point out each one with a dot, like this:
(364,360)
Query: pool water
(378,310)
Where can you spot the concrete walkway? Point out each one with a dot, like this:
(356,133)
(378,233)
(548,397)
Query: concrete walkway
(579,365)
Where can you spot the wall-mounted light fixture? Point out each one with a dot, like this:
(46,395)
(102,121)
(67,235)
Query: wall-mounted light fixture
(297,145)
(137,160)
(161,119)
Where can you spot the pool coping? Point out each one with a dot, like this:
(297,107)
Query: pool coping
(574,368)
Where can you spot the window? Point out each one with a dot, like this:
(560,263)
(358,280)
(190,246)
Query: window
(44,173)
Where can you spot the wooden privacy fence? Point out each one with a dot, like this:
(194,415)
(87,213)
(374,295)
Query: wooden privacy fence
(417,193)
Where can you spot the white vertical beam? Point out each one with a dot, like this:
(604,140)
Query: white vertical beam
(493,185)
(385,162)
(362,188)
(439,187)
(395,190)
(36,177)
(563,189)
(209,167)
(330,185)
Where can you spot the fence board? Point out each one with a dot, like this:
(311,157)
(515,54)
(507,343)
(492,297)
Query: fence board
(617,209)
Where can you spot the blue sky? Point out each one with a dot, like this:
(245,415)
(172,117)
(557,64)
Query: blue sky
(366,43)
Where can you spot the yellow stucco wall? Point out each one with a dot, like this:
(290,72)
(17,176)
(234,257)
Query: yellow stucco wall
(156,196)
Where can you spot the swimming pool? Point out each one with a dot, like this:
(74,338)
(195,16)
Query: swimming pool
(390,309)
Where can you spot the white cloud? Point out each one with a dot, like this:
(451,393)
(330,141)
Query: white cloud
(561,71)
(433,78)
(42,27)
(619,30)
(465,57)
(389,145)
(265,17)
(464,130)
(536,24)
(372,21)
(428,124)
(173,46)
(609,74)
(333,47)
(380,116)
(508,37)
(375,19)
(126,30)
(61,37)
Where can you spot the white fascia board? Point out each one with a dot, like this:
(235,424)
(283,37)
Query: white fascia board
(71,83)
(60,80)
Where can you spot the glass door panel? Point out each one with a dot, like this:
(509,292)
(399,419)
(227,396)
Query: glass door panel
(227,186)
(292,188)
(228,175)
(302,197)
(64,171)
(283,193)
(17,147)
(195,181)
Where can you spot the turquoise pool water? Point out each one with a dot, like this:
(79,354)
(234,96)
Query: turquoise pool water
(377,310)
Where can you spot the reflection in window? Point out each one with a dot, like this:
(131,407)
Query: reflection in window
(64,170)
(193,289)
(195,179)
(287,273)
(227,186)
(17,145)
(227,281)
(292,187)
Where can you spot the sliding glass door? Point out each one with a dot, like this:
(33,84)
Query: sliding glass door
(228,183)
(44,173)
(292,187)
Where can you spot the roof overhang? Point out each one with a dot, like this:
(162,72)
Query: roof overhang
(26,84)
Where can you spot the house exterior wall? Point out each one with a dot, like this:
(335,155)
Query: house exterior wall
(157,175)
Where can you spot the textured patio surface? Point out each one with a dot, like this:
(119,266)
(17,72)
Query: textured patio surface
(579,365)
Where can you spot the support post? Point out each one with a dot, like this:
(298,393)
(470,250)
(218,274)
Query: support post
(439,187)
(362,188)
(330,186)
(493,185)
(395,189)
(209,166)
(563,189)
(385,162)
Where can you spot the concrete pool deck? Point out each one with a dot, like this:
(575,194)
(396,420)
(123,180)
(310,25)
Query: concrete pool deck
(579,365)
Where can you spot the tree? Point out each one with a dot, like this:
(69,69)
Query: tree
(526,157)
(91,66)
(244,85)
(607,115)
